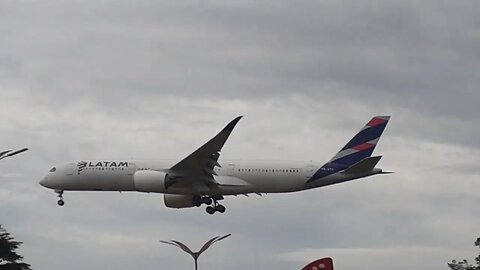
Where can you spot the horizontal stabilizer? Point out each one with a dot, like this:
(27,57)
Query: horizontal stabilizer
(363,166)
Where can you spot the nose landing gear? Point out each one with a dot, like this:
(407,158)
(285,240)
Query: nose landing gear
(60,201)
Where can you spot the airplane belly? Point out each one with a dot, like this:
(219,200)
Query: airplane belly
(280,185)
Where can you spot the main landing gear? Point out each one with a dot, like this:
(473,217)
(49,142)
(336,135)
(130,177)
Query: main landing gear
(60,201)
(215,208)
(212,202)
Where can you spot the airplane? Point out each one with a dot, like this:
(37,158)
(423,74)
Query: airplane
(9,153)
(320,264)
(201,178)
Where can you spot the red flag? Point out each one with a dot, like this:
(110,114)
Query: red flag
(321,264)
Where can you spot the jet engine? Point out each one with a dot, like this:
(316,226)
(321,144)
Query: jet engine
(178,201)
(149,181)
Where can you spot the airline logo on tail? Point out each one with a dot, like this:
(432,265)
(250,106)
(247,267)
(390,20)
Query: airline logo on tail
(321,264)
(360,147)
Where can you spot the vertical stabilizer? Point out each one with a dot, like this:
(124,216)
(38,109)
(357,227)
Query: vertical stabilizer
(360,147)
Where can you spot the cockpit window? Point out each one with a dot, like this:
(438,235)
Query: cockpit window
(53,169)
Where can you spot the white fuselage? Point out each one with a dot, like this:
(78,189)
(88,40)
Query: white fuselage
(234,177)
(201,178)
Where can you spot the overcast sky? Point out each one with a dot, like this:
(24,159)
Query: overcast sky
(156,79)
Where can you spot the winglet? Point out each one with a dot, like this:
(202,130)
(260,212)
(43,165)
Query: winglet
(233,123)
(223,135)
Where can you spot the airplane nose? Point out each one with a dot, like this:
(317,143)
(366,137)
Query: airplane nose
(44,182)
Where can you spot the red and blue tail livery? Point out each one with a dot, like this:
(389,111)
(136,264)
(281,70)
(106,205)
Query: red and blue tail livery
(358,149)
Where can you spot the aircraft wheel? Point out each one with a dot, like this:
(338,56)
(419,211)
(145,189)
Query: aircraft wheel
(210,210)
(220,208)
(60,202)
(197,201)
(207,200)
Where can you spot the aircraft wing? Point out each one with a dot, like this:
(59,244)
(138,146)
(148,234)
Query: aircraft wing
(197,169)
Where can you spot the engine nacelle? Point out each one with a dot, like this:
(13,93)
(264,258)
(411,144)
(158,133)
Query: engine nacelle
(178,201)
(149,181)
